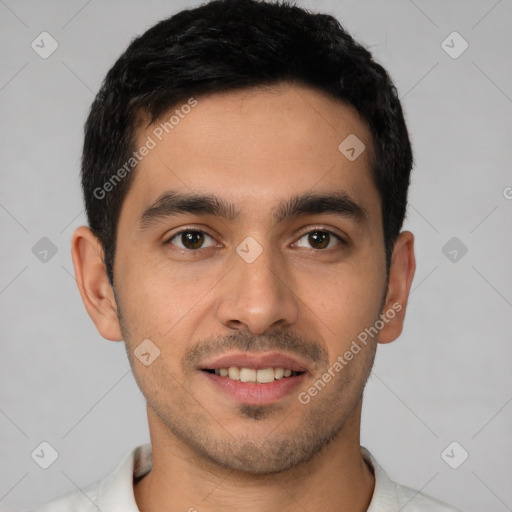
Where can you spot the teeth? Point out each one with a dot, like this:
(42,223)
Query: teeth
(247,374)
(278,373)
(262,376)
(234,373)
(265,375)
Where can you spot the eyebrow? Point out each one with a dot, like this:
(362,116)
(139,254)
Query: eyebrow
(173,203)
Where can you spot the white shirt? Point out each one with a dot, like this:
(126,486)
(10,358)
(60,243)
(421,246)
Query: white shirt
(114,493)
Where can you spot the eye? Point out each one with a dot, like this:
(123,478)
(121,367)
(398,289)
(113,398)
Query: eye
(194,239)
(191,239)
(320,239)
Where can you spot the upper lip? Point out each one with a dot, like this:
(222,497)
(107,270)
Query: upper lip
(256,360)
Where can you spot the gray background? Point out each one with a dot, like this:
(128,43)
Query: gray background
(446,379)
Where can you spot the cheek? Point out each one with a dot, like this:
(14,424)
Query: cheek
(163,302)
(343,299)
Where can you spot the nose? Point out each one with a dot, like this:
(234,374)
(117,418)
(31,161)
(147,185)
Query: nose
(258,296)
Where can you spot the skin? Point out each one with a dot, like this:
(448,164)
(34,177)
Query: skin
(253,148)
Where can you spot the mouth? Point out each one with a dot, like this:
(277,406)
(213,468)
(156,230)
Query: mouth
(255,379)
(261,376)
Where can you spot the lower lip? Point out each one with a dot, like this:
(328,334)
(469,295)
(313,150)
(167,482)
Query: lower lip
(253,393)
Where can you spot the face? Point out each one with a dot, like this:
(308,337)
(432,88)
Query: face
(277,268)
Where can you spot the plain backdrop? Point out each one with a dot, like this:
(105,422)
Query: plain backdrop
(446,379)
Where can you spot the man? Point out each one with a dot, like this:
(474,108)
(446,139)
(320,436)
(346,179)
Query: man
(245,173)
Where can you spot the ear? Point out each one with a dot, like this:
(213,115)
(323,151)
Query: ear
(401,273)
(91,278)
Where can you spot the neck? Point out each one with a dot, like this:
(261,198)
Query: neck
(336,479)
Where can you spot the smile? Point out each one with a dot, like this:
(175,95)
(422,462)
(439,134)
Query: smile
(261,376)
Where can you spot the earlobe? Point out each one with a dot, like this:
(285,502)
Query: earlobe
(401,273)
(91,278)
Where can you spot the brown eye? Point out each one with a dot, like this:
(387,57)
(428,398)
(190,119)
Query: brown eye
(320,239)
(189,239)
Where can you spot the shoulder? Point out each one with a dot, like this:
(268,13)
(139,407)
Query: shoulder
(84,500)
(411,500)
(390,496)
(113,492)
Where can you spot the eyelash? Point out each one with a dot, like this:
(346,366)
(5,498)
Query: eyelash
(185,230)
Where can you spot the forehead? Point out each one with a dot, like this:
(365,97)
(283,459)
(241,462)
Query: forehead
(255,147)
